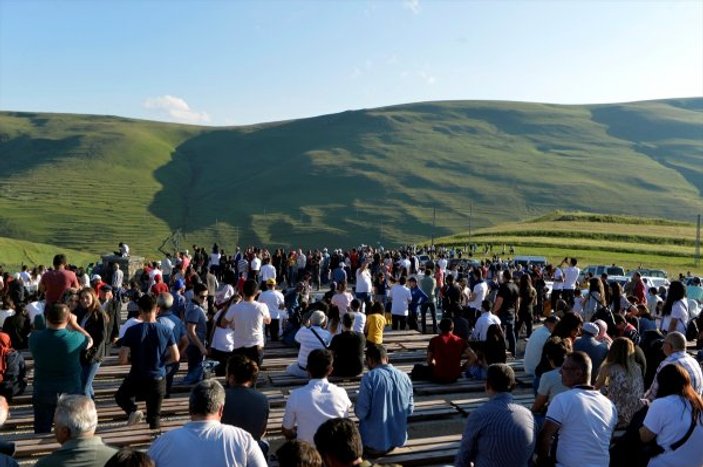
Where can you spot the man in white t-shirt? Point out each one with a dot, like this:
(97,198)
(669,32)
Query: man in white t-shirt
(442,264)
(310,406)
(400,301)
(248,318)
(267,271)
(571,276)
(486,319)
(583,418)
(255,267)
(478,293)
(275,302)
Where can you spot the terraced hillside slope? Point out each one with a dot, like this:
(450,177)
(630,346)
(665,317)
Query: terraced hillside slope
(393,174)
(631,242)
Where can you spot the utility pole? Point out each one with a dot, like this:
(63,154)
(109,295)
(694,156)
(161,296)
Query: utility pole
(698,242)
(434,223)
(471,208)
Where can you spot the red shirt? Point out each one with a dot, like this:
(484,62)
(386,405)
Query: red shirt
(159,287)
(447,350)
(56,282)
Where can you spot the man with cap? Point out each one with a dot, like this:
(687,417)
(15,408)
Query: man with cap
(275,301)
(500,432)
(595,349)
(96,282)
(310,338)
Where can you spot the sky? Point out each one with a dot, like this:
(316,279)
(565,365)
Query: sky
(240,62)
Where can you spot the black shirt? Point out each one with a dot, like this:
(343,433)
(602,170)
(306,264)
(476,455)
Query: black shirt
(348,348)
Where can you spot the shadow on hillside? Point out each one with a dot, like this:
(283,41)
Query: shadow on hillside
(301,181)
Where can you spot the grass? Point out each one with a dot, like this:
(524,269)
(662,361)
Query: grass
(395,175)
(594,239)
(15,253)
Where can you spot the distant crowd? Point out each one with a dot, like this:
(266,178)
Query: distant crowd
(600,354)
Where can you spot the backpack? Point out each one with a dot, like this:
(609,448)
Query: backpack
(15,378)
(692,330)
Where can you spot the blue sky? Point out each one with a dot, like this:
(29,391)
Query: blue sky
(237,62)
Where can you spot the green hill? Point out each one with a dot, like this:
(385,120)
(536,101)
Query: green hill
(386,174)
(15,253)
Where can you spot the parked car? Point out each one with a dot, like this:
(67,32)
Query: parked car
(649,273)
(597,271)
(529,261)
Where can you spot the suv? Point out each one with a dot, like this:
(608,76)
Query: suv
(596,271)
(527,261)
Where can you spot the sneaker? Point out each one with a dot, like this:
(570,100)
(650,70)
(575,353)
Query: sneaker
(135,417)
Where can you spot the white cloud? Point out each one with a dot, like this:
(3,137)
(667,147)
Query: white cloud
(428,78)
(176,108)
(412,5)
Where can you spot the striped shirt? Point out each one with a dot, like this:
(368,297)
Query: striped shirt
(690,364)
(499,432)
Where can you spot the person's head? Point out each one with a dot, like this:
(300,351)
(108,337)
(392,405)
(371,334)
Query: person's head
(412,282)
(507,276)
(199,292)
(297,453)
(250,288)
(355,304)
(568,326)
(573,262)
(376,355)
(486,305)
(164,301)
(320,363)
(75,417)
(590,330)
(70,298)
(105,293)
(500,378)
(621,351)
(88,299)
(446,325)
(207,399)
(576,369)
(376,309)
(339,442)
(270,283)
(60,261)
(551,322)
(318,318)
(146,304)
(57,316)
(403,280)
(674,342)
(241,371)
(555,351)
(347,321)
(128,457)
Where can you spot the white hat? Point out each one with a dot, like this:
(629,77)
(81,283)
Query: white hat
(591,328)
(317,318)
(96,277)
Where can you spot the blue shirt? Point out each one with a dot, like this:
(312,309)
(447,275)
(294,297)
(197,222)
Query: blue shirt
(148,344)
(172,322)
(418,297)
(499,432)
(196,315)
(385,401)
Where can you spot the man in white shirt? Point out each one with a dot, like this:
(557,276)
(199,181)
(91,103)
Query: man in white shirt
(486,319)
(571,275)
(167,268)
(248,318)
(478,293)
(205,440)
(275,302)
(310,338)
(255,267)
(267,271)
(442,264)
(400,300)
(583,417)
(310,406)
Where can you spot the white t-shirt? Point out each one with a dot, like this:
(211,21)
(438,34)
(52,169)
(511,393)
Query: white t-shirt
(586,420)
(533,349)
(222,338)
(272,299)
(342,301)
(359,321)
(267,272)
(571,275)
(480,290)
(35,309)
(309,342)
(215,259)
(442,263)
(670,418)
(4,314)
(255,263)
(679,310)
(482,324)
(312,405)
(248,321)
(166,266)
(363,281)
(401,298)
(558,279)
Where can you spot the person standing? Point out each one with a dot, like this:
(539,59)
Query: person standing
(55,282)
(506,306)
(168,318)
(151,346)
(428,284)
(196,327)
(57,369)
(95,321)
(400,302)
(248,318)
(275,302)
(583,418)
(571,275)
(384,403)
(500,432)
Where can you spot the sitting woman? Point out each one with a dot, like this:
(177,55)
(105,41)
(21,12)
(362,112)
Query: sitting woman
(674,419)
(550,384)
(620,379)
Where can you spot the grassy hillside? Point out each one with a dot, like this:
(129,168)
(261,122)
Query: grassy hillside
(14,253)
(385,174)
(594,239)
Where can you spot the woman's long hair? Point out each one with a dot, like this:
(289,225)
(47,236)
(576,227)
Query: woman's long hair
(622,352)
(94,310)
(674,380)
(676,292)
(596,285)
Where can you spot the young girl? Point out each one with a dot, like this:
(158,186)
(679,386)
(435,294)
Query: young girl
(375,323)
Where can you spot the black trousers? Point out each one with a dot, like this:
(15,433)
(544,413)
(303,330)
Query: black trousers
(253,353)
(274,329)
(151,391)
(399,322)
(222,357)
(423,313)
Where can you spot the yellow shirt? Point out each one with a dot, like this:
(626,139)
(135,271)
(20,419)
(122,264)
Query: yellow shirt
(374,332)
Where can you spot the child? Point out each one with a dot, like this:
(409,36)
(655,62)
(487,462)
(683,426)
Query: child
(375,323)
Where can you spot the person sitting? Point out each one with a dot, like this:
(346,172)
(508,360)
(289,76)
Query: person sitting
(296,453)
(445,354)
(620,378)
(339,443)
(245,407)
(674,348)
(483,322)
(535,344)
(75,422)
(348,349)
(588,343)
(6,449)
(205,440)
(549,382)
(500,432)
(308,407)
(309,338)
(13,370)
(375,324)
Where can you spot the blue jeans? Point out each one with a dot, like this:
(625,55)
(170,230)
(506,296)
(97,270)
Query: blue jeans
(195,365)
(89,370)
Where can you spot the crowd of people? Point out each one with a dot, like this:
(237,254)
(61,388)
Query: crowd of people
(602,356)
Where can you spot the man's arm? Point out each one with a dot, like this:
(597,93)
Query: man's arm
(173,354)
(123,358)
(288,427)
(362,409)
(194,339)
(496,306)
(73,324)
(544,443)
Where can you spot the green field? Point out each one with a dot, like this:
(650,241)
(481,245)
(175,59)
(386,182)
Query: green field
(595,239)
(391,175)
(15,253)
